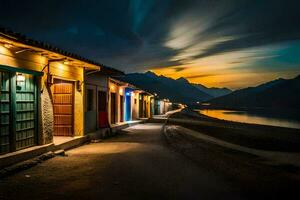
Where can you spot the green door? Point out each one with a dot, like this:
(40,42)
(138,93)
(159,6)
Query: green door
(25,111)
(5,113)
(18,111)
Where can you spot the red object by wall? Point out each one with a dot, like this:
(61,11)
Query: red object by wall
(103,119)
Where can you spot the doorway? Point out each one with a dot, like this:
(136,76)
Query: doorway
(121,108)
(113,108)
(102,110)
(63,98)
(18,111)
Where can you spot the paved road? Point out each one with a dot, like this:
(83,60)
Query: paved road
(136,165)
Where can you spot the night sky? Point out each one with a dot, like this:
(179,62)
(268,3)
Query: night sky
(232,43)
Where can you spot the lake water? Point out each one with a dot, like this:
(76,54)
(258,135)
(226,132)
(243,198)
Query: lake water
(261,117)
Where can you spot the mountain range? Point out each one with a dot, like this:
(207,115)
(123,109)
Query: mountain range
(279,93)
(177,90)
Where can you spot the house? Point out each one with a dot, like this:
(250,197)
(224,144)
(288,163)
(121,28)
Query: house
(111,102)
(161,106)
(42,92)
(138,103)
(97,99)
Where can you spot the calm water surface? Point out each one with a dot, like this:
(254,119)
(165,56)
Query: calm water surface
(263,118)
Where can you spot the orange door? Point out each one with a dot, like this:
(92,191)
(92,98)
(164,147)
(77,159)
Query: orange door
(63,108)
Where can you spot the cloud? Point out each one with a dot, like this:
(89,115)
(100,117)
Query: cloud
(187,36)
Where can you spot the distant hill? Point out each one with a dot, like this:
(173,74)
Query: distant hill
(179,90)
(214,92)
(279,93)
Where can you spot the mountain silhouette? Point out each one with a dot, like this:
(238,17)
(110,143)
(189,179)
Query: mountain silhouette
(180,90)
(279,93)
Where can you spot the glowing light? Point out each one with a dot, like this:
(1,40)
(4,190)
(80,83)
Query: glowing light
(20,77)
(120,91)
(8,46)
(112,87)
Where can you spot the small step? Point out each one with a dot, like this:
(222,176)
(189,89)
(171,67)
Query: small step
(60,152)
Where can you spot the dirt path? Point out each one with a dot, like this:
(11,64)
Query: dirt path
(135,165)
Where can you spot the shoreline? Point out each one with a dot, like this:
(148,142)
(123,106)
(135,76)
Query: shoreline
(257,136)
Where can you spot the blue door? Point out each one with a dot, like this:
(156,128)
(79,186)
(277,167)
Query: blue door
(128,93)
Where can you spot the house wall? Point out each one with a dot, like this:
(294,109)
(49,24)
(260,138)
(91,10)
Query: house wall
(33,62)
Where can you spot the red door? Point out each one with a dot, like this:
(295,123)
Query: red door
(102,110)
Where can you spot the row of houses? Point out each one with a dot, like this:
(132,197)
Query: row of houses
(46,92)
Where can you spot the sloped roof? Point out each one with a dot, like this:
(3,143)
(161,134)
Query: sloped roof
(18,37)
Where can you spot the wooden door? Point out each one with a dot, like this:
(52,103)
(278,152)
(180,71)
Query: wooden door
(63,98)
(112,108)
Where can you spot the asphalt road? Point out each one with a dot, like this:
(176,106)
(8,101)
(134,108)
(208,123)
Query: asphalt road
(135,165)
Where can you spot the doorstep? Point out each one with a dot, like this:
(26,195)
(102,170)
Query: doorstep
(65,143)
(24,154)
(59,143)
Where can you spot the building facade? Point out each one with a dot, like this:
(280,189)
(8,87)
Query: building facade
(42,92)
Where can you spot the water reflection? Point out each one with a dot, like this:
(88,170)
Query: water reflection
(263,118)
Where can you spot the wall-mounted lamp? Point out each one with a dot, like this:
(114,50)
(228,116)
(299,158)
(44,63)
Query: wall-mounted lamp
(66,62)
(112,87)
(120,91)
(20,77)
(50,79)
(78,85)
(8,46)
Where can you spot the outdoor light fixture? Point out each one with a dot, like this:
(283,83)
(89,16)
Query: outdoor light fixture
(8,46)
(20,79)
(78,85)
(120,91)
(66,62)
(112,87)
(128,94)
